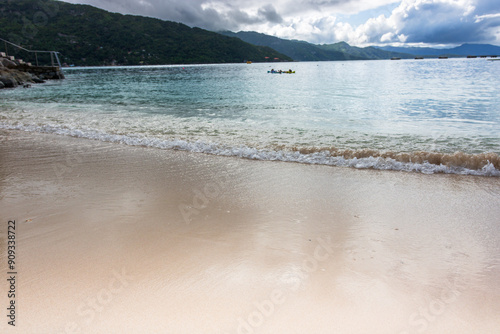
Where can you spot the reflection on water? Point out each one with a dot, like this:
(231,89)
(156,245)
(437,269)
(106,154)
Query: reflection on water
(399,107)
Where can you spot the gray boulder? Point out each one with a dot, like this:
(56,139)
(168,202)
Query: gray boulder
(8,82)
(2,85)
(38,80)
(8,63)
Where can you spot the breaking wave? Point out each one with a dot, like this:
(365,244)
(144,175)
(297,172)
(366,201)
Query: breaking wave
(483,164)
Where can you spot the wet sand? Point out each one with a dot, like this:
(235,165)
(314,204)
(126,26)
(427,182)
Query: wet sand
(119,239)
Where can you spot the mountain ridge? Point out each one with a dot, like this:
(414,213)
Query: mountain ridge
(297,50)
(305,51)
(466,49)
(86,35)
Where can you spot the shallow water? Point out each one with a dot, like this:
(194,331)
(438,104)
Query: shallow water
(412,115)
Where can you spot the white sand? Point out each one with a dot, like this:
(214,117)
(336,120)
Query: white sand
(116,239)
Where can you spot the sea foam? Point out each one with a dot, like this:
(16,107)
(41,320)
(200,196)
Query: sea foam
(457,163)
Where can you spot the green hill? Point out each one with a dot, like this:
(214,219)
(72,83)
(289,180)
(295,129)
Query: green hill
(459,51)
(304,51)
(85,35)
(298,50)
(369,52)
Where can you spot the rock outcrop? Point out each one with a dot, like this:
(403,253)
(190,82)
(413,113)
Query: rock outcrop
(11,78)
(8,63)
(15,73)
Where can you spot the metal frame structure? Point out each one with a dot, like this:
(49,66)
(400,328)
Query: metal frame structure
(53,54)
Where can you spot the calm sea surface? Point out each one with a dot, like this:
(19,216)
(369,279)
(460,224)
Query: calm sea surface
(417,115)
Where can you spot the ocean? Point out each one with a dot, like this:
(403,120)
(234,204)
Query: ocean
(426,116)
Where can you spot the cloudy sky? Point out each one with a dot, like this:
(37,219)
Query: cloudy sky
(358,22)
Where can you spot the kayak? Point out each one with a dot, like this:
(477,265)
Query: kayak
(282,72)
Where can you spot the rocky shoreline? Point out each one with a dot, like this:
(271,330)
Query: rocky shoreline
(15,72)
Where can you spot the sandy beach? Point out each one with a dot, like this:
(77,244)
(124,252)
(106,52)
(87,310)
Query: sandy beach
(118,239)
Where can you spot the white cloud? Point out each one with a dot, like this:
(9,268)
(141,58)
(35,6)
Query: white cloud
(480,18)
(327,21)
(419,22)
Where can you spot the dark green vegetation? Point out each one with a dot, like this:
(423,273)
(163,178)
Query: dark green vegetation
(304,51)
(85,35)
(369,52)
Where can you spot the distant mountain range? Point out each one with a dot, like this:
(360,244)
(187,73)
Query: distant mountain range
(85,35)
(304,51)
(462,50)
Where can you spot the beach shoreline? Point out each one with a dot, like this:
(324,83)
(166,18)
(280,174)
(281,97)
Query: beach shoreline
(114,238)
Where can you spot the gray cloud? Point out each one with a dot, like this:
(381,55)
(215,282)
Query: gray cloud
(423,21)
(487,7)
(444,23)
(191,12)
(270,15)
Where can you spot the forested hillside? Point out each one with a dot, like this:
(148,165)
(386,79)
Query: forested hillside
(85,35)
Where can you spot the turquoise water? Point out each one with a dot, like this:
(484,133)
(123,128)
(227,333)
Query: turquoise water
(417,115)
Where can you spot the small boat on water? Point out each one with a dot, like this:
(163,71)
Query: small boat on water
(281,72)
